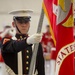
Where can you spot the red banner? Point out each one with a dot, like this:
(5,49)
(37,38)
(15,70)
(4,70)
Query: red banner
(48,6)
(60,17)
(65,42)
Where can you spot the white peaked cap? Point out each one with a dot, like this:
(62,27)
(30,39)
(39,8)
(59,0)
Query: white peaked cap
(21,13)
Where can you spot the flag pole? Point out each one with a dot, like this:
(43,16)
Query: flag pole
(33,60)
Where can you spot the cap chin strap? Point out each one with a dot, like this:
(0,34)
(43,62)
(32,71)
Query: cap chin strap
(18,28)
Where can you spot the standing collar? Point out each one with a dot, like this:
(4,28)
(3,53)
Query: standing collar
(20,36)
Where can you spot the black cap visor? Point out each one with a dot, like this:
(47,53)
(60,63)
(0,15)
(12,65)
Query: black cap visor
(22,19)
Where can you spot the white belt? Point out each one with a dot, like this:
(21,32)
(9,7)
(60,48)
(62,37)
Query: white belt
(10,71)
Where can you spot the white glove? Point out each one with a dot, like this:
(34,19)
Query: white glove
(14,38)
(4,33)
(36,38)
(12,32)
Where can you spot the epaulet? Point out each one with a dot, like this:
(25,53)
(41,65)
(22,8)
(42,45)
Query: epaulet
(5,40)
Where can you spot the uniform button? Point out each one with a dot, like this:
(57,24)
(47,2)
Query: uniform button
(27,68)
(27,62)
(27,56)
(24,37)
(27,51)
(21,37)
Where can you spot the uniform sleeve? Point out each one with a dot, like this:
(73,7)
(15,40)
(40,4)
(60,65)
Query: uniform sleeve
(40,61)
(9,45)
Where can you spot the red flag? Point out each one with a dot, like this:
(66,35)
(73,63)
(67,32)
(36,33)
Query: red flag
(48,6)
(65,42)
(62,32)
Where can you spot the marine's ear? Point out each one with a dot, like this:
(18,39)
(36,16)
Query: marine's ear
(13,24)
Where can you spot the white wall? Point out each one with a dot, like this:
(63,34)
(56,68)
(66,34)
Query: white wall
(9,5)
(7,19)
(34,24)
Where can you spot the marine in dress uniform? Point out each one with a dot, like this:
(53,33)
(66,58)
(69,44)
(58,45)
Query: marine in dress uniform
(5,32)
(49,52)
(17,53)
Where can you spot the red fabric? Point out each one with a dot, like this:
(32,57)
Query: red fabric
(1,59)
(65,37)
(53,55)
(74,63)
(51,16)
(47,41)
(0,36)
(7,35)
